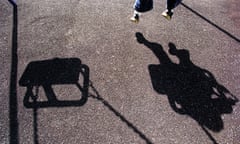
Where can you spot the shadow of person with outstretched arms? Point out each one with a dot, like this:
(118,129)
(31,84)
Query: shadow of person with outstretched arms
(191,90)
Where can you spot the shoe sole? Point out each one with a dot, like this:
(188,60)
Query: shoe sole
(166,16)
(134,20)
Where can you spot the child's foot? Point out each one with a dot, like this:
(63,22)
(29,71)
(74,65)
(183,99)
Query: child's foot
(167,14)
(135,18)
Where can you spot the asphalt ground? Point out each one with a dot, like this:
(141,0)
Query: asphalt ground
(138,87)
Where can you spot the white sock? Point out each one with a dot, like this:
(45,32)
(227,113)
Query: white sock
(136,12)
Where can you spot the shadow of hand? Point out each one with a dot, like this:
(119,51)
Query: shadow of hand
(172,49)
(140,38)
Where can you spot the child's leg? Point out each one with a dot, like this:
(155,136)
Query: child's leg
(171,4)
(141,6)
(135,17)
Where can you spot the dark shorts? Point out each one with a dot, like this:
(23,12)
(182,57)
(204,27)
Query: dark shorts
(143,5)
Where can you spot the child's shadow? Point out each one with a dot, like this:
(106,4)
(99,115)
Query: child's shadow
(191,90)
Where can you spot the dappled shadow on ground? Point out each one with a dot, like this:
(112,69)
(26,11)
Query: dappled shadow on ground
(191,90)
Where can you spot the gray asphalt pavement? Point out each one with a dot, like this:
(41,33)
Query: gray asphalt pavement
(158,81)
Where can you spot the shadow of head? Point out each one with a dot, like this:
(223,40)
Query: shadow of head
(182,54)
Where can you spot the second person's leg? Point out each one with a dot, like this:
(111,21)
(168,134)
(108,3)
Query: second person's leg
(171,4)
(135,17)
(141,6)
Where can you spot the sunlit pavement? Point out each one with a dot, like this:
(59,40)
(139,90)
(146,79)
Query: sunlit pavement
(137,91)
